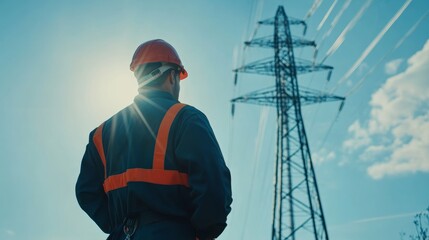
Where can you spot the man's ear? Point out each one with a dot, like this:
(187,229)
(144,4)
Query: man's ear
(172,77)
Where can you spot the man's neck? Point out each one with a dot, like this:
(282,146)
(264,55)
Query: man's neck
(154,89)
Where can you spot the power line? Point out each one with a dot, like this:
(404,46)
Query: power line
(331,125)
(255,163)
(371,46)
(349,27)
(326,15)
(333,24)
(397,45)
(313,9)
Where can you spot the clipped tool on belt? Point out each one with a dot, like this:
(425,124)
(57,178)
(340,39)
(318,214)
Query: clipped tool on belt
(130,226)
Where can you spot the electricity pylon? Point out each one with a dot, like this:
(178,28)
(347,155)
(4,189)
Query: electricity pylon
(297,210)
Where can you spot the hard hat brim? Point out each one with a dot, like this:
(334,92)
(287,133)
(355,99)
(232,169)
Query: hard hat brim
(183,74)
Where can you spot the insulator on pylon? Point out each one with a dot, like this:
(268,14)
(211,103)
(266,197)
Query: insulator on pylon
(235,79)
(329,75)
(232,109)
(305,29)
(316,51)
(341,106)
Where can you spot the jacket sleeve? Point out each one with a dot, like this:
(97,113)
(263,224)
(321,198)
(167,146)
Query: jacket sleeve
(209,177)
(89,187)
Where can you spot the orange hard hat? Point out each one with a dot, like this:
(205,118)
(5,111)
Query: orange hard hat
(157,50)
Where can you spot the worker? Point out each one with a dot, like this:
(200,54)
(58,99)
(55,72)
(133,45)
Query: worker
(155,170)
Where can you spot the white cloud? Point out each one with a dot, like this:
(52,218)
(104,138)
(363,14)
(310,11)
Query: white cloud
(396,137)
(410,154)
(360,137)
(323,155)
(393,66)
(374,153)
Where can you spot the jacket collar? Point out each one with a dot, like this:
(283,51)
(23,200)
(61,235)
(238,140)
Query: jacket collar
(153,93)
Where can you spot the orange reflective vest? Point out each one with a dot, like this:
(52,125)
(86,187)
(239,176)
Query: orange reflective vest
(160,159)
(157,174)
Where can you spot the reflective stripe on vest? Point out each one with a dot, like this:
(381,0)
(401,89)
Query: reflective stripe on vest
(98,141)
(156,175)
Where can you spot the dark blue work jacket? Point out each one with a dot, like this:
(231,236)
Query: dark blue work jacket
(182,189)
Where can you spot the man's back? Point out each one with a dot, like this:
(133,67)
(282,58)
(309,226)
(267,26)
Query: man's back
(185,192)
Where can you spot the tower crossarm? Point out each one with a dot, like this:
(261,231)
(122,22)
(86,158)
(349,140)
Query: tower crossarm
(263,66)
(292,21)
(268,42)
(304,66)
(266,67)
(310,96)
(267,97)
(264,97)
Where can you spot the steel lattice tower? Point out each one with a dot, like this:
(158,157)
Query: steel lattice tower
(297,211)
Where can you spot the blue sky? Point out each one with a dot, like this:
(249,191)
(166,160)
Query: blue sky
(64,68)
